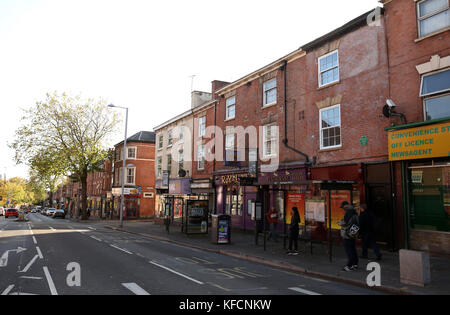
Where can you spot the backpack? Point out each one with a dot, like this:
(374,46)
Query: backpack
(353,229)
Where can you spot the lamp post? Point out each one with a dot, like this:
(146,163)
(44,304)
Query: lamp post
(123,163)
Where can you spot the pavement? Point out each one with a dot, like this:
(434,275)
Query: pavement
(313,259)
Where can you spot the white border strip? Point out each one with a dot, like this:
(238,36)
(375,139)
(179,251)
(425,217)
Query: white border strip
(133,287)
(304,291)
(175,272)
(50,282)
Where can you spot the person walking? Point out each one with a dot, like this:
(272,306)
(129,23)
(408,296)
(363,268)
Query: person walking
(350,219)
(293,231)
(272,219)
(367,222)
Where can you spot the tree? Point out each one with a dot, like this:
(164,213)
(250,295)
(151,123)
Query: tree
(66,135)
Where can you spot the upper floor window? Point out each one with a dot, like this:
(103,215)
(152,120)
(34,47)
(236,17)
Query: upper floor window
(131,174)
(202,126)
(435,89)
(231,107)
(180,160)
(131,153)
(169,138)
(330,127)
(159,167)
(270,92)
(229,147)
(181,134)
(169,163)
(160,142)
(329,68)
(270,140)
(201,157)
(433,15)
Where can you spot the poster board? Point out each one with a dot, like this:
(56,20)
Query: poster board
(295,200)
(315,210)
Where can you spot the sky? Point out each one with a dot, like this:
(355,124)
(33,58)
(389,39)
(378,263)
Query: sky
(142,54)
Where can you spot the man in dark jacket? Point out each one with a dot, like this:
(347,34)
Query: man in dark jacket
(367,221)
(350,218)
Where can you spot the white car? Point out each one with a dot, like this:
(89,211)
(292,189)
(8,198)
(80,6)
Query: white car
(50,211)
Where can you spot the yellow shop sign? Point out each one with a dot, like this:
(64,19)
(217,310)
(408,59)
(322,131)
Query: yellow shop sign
(420,143)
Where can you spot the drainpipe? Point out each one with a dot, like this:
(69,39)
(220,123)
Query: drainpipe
(285,140)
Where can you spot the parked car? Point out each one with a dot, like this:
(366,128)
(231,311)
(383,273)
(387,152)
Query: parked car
(50,211)
(2,211)
(38,208)
(44,212)
(33,210)
(11,213)
(59,213)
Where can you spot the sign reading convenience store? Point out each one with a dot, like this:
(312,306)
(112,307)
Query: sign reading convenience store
(420,143)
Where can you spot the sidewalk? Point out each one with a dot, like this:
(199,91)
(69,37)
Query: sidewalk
(315,264)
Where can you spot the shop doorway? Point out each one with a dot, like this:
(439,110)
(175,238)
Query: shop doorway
(131,208)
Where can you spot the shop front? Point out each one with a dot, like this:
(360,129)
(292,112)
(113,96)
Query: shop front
(422,153)
(171,202)
(132,202)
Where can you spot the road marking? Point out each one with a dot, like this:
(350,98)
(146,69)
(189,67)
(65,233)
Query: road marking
(39,253)
(124,250)
(52,228)
(4,258)
(95,238)
(133,287)
(50,282)
(304,291)
(30,264)
(176,272)
(91,228)
(8,289)
(218,286)
(21,293)
(316,279)
(32,278)
(34,240)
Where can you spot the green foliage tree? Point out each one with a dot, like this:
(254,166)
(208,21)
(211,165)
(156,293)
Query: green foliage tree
(65,135)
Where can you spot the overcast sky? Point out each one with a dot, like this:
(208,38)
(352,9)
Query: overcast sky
(141,54)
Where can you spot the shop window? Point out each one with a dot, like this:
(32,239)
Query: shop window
(435,90)
(433,16)
(233,202)
(429,191)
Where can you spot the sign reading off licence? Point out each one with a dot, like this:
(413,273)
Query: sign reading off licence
(420,143)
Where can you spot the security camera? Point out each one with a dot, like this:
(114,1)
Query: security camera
(390,103)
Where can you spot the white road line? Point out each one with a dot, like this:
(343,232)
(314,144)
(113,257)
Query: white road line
(124,250)
(91,228)
(8,289)
(30,264)
(95,238)
(39,253)
(50,282)
(34,240)
(32,278)
(176,272)
(52,228)
(304,291)
(133,287)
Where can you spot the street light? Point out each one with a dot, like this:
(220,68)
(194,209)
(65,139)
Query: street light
(123,163)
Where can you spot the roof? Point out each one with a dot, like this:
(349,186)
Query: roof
(351,26)
(141,136)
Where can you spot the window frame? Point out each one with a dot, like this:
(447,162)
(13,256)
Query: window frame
(320,72)
(169,138)
(201,132)
(430,15)
(265,104)
(432,95)
(160,142)
(320,127)
(169,165)
(201,157)
(275,139)
(227,106)
(128,153)
(159,166)
(425,98)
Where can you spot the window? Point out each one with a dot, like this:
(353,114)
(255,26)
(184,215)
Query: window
(329,68)
(270,92)
(132,153)
(169,163)
(202,126)
(270,140)
(131,172)
(231,107)
(433,15)
(229,147)
(435,90)
(180,160)
(160,142)
(330,127)
(234,200)
(159,165)
(201,157)
(181,134)
(169,138)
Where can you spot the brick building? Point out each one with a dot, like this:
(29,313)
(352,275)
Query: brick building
(418,37)
(139,185)
(100,190)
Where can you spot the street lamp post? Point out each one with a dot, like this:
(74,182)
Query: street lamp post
(123,163)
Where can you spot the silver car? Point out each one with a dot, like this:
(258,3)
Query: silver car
(50,211)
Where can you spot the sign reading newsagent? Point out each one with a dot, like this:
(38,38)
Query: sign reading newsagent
(425,142)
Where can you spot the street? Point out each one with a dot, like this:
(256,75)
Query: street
(48,256)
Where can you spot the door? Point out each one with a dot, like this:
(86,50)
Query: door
(379,203)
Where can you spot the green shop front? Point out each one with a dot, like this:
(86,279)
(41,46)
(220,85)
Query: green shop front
(421,155)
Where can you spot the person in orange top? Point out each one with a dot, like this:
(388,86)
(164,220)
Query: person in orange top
(272,219)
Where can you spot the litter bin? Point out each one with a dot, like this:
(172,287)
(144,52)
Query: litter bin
(220,229)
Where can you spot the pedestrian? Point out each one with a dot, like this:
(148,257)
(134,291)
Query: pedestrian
(272,219)
(349,221)
(293,231)
(367,223)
